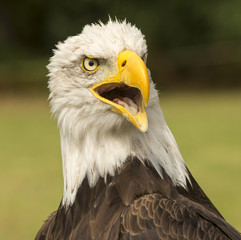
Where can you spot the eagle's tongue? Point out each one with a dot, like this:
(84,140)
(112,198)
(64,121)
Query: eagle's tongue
(128,104)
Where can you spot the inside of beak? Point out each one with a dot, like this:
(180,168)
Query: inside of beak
(128,97)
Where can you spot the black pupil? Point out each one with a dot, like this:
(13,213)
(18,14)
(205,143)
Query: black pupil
(91,63)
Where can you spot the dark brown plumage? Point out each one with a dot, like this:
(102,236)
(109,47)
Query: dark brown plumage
(138,204)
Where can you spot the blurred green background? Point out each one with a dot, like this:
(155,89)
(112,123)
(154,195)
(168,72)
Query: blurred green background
(195,59)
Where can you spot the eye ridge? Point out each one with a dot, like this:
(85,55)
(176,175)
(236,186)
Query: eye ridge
(90,64)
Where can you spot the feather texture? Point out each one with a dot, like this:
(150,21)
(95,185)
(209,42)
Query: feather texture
(89,130)
(119,183)
(128,206)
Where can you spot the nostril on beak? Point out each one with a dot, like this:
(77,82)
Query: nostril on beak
(124,63)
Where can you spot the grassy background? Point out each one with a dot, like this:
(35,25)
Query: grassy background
(207,127)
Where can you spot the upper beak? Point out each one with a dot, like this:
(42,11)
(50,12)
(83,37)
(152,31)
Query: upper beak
(131,86)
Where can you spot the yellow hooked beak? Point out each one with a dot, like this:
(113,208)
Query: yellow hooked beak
(128,91)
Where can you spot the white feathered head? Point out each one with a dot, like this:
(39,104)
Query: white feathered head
(103,97)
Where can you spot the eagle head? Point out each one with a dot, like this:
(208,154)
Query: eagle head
(104,99)
(102,71)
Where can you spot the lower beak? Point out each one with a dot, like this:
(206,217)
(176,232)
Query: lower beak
(127,91)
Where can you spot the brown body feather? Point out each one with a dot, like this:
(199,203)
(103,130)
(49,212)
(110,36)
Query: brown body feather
(138,204)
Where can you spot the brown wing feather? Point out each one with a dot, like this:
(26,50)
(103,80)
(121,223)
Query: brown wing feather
(156,217)
(196,194)
(137,204)
(46,229)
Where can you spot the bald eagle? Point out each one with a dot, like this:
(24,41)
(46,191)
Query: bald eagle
(124,177)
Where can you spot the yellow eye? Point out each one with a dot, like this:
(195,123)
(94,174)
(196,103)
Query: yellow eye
(90,64)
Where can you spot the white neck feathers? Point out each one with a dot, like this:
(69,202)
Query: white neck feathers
(92,148)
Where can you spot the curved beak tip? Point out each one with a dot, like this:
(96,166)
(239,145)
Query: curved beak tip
(132,72)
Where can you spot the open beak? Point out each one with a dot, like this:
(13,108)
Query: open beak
(128,91)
